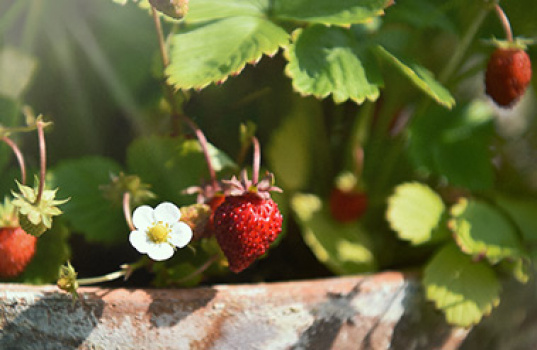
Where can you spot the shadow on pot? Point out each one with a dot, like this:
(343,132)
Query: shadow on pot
(51,322)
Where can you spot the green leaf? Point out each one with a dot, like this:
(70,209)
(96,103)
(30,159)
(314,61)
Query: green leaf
(88,211)
(482,231)
(420,77)
(290,149)
(16,72)
(421,14)
(171,165)
(345,249)
(523,212)
(455,144)
(463,289)
(415,212)
(52,251)
(328,60)
(210,10)
(211,52)
(341,12)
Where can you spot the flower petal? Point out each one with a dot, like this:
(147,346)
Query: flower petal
(140,241)
(143,217)
(167,212)
(180,235)
(160,252)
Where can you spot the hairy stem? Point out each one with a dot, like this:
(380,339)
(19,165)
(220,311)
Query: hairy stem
(42,158)
(205,149)
(257,160)
(461,49)
(20,157)
(127,210)
(505,22)
(176,114)
(105,278)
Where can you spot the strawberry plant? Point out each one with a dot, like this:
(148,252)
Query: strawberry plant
(394,135)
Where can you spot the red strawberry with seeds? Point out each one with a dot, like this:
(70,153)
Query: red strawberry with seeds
(247,222)
(17,248)
(508,75)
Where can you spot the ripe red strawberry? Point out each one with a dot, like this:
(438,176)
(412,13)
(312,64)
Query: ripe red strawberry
(17,248)
(247,222)
(346,206)
(508,75)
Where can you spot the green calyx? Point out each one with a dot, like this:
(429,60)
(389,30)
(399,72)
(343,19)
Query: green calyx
(516,44)
(35,217)
(67,280)
(8,217)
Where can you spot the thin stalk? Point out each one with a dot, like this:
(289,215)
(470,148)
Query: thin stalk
(462,48)
(105,278)
(43,159)
(161,41)
(176,114)
(20,157)
(127,210)
(505,22)
(200,270)
(204,147)
(257,160)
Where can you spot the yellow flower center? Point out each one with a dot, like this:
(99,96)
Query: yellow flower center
(159,233)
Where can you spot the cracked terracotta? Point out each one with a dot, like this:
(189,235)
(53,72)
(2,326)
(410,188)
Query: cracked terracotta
(366,312)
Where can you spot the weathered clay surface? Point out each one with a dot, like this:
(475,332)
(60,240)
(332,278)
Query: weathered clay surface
(383,311)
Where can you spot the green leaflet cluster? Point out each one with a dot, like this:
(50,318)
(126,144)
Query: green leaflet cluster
(488,236)
(326,50)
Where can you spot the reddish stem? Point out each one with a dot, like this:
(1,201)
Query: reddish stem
(505,22)
(20,157)
(204,147)
(127,210)
(43,159)
(257,160)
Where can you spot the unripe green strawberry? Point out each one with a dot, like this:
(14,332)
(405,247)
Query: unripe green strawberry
(508,75)
(17,248)
(35,216)
(30,228)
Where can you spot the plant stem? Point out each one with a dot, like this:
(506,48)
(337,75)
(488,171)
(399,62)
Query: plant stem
(205,149)
(505,22)
(176,114)
(20,157)
(257,160)
(161,41)
(43,159)
(461,49)
(126,271)
(127,210)
(200,270)
(106,278)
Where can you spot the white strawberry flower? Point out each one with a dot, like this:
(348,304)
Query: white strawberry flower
(158,231)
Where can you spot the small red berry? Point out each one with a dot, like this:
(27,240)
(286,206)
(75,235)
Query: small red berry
(245,226)
(346,206)
(508,75)
(17,248)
